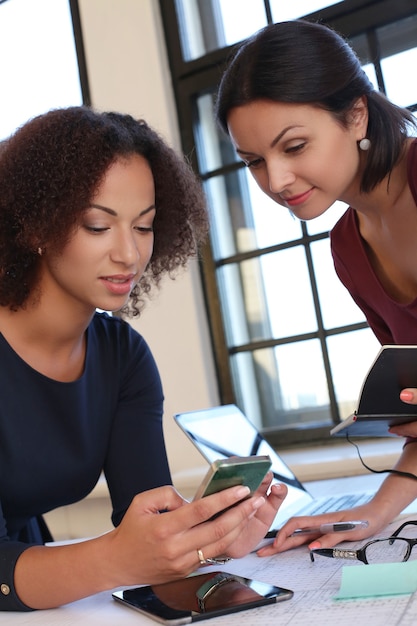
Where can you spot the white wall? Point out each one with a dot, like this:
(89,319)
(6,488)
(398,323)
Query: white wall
(128,72)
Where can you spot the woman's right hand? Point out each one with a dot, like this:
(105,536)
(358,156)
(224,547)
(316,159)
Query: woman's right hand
(148,546)
(153,547)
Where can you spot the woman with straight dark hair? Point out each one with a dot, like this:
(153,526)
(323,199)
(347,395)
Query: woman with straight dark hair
(304,117)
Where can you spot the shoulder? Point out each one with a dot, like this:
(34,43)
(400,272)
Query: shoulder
(117,349)
(112,336)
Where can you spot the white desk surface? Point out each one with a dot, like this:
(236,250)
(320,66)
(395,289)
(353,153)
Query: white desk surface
(314,586)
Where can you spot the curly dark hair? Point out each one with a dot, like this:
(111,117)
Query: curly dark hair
(51,168)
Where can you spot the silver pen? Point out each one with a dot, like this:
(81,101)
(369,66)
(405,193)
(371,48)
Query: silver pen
(333,527)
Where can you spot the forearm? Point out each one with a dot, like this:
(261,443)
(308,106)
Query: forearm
(147,547)
(50,576)
(396,492)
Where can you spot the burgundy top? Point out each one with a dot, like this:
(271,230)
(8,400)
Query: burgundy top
(392,322)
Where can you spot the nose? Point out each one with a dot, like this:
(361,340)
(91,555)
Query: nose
(280,177)
(125,249)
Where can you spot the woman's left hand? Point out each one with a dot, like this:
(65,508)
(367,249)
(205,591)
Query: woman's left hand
(260,523)
(409,396)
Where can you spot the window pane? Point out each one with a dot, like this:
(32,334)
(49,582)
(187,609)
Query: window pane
(241,18)
(213,24)
(395,68)
(290,387)
(337,305)
(303,380)
(351,355)
(288,292)
(40,68)
(399,58)
(273,223)
(235,318)
(226,214)
(283,10)
(260,300)
(243,218)
(213,149)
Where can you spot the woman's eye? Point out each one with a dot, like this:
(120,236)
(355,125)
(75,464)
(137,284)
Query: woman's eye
(95,229)
(144,229)
(253,163)
(296,148)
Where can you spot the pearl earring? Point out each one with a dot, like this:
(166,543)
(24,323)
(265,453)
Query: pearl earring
(364,144)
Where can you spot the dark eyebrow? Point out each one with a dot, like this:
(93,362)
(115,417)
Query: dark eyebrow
(113,212)
(275,140)
(282,133)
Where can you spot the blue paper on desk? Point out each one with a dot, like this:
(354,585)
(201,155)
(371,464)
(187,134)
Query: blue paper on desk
(382,579)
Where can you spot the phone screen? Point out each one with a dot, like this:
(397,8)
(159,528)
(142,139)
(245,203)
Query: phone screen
(200,596)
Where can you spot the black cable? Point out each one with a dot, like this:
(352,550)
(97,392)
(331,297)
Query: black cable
(383,471)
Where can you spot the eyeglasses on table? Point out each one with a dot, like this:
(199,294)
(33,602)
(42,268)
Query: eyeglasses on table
(393,549)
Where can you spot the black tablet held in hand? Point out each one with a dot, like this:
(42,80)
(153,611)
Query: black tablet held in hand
(379,406)
(200,596)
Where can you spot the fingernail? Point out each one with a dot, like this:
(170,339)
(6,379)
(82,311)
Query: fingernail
(315,545)
(256,505)
(406,396)
(242,491)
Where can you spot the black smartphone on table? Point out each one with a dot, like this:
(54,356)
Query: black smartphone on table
(200,596)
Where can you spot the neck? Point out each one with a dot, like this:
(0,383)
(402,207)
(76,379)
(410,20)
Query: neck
(50,340)
(387,194)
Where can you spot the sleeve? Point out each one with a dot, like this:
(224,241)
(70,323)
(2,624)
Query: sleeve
(9,553)
(136,460)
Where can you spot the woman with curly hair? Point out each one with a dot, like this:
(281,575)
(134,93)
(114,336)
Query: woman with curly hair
(94,209)
(307,122)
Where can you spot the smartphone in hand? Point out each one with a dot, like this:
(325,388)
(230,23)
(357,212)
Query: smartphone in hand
(223,473)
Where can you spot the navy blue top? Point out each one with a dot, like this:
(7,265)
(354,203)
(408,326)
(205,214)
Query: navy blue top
(56,438)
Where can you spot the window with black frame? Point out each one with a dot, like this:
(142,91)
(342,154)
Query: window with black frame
(43,65)
(291,346)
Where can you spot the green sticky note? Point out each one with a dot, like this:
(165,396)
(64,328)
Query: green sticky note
(383,579)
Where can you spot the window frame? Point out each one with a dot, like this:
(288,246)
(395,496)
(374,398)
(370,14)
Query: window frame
(80,51)
(201,75)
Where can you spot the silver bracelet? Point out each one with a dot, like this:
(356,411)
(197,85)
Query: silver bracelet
(210,586)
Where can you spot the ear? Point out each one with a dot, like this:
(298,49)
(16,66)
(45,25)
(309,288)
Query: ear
(359,118)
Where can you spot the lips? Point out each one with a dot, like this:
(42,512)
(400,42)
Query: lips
(299,198)
(117,280)
(118,284)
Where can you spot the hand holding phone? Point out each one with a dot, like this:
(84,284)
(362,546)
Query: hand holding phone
(224,473)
